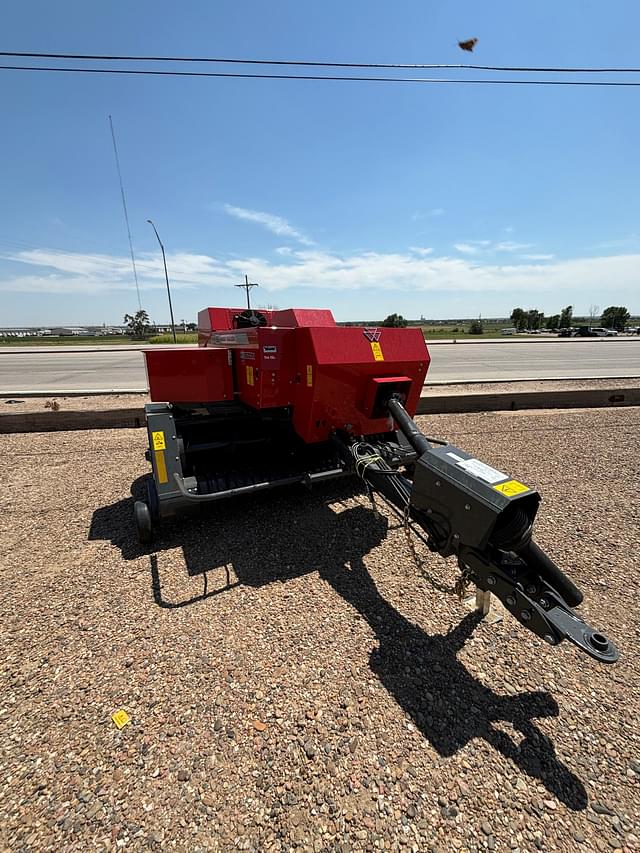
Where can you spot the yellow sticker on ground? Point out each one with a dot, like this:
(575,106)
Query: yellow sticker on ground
(161,466)
(511,488)
(309,376)
(121,718)
(158,440)
(250,380)
(376,349)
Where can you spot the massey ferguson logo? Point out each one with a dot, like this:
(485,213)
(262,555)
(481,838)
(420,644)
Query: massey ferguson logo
(372,335)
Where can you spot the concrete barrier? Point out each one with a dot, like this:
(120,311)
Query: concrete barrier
(430,404)
(441,404)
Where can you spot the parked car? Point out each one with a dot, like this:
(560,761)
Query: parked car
(604,333)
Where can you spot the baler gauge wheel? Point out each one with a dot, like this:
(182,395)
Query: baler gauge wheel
(144,526)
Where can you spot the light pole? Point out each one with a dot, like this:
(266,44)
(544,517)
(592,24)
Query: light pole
(166,276)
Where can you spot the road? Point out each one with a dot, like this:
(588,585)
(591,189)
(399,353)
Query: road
(100,368)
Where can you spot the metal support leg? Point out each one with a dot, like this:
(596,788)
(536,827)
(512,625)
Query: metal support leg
(483,601)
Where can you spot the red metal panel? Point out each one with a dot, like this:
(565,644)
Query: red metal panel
(336,367)
(295,317)
(189,375)
(265,376)
(220,319)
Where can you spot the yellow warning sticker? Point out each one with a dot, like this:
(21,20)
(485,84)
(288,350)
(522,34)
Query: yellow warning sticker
(309,376)
(511,488)
(121,718)
(376,349)
(250,380)
(161,466)
(158,440)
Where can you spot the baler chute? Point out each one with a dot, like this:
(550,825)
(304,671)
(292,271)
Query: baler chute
(279,398)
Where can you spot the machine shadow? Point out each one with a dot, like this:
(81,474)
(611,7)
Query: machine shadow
(322,533)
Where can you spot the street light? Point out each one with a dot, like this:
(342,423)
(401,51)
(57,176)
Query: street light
(166,275)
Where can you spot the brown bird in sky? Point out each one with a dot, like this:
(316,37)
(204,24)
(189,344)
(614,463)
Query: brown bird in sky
(468,45)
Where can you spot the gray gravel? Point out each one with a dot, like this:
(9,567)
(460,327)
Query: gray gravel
(293,682)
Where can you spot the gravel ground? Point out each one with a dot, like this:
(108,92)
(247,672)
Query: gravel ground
(292,680)
(98,403)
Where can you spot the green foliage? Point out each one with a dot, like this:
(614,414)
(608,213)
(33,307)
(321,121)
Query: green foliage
(519,319)
(615,317)
(553,322)
(181,338)
(476,327)
(138,323)
(535,319)
(395,321)
(527,320)
(565,317)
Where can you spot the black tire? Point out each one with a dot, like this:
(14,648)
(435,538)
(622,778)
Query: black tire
(144,525)
(152,499)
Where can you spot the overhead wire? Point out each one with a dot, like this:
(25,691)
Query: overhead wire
(318,63)
(327,77)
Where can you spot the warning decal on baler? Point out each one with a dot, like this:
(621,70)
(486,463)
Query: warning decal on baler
(376,349)
(161,466)
(309,376)
(250,374)
(159,442)
(511,488)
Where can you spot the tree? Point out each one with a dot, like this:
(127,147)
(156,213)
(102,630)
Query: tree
(138,323)
(395,321)
(476,327)
(519,319)
(594,311)
(553,322)
(534,319)
(565,317)
(615,317)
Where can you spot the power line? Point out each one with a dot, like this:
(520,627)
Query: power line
(317,63)
(126,215)
(344,78)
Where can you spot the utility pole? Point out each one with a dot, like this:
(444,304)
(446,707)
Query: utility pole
(247,286)
(166,277)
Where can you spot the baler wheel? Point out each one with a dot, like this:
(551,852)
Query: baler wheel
(144,525)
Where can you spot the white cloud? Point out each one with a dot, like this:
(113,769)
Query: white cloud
(510,246)
(537,257)
(465,248)
(419,250)
(275,224)
(83,273)
(408,272)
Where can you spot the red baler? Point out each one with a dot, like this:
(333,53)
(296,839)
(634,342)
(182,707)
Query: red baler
(274,398)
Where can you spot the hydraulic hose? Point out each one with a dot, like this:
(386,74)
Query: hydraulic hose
(413,435)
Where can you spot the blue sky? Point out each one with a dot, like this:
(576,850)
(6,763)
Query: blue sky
(445,201)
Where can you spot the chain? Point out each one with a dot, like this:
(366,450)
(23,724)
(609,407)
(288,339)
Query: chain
(461,584)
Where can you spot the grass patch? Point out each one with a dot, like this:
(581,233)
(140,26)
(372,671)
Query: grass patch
(181,338)
(66,341)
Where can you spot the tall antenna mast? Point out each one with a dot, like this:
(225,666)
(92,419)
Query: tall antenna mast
(247,286)
(126,215)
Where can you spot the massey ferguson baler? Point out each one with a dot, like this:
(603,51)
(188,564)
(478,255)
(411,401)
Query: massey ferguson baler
(283,398)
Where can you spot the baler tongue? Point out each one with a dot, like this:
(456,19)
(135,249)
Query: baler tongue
(484,518)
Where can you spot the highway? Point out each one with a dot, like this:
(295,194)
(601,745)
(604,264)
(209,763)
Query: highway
(122,368)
